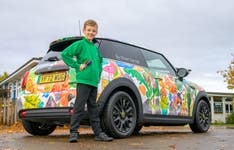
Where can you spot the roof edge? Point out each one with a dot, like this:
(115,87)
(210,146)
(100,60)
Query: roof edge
(32,59)
(220,94)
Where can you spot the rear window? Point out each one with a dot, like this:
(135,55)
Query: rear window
(54,53)
(59,47)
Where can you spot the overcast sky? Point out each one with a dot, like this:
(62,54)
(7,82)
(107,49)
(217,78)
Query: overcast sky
(195,34)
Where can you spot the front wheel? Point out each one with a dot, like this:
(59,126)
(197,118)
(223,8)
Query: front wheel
(36,128)
(202,119)
(119,118)
(137,129)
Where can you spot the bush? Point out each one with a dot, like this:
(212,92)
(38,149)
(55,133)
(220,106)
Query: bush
(230,118)
(216,122)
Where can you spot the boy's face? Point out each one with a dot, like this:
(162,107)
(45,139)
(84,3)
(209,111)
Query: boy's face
(90,32)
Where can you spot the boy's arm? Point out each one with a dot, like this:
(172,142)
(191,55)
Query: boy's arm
(69,52)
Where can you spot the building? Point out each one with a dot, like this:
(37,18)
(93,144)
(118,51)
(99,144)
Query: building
(13,81)
(221,103)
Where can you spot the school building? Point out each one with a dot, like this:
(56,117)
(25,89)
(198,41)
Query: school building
(221,103)
(14,80)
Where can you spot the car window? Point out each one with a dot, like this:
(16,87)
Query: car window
(56,56)
(59,47)
(96,42)
(157,62)
(122,52)
(55,51)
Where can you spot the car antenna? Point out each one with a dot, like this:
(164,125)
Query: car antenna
(79,28)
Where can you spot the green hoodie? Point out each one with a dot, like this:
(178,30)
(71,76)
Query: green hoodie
(84,50)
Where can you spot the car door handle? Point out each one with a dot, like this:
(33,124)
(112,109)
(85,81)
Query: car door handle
(158,78)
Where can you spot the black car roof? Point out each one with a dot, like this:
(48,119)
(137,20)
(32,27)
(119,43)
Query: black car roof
(75,38)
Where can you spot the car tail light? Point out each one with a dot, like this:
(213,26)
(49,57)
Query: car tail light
(23,113)
(71,111)
(24,81)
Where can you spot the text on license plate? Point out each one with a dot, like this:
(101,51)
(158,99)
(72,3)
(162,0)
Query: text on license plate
(52,77)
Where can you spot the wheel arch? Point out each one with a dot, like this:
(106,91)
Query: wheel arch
(202,95)
(126,85)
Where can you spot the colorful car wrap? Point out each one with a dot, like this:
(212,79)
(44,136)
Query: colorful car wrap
(160,93)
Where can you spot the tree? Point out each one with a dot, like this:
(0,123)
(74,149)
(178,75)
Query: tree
(4,76)
(228,74)
(3,92)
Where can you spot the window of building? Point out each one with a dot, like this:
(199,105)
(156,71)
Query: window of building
(218,107)
(18,88)
(11,90)
(14,91)
(229,108)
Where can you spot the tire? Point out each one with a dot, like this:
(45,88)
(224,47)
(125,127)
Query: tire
(202,118)
(137,129)
(35,128)
(119,116)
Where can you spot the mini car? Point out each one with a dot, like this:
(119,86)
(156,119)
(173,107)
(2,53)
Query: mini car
(138,87)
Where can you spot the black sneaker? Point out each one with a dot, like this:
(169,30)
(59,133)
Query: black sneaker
(103,137)
(73,137)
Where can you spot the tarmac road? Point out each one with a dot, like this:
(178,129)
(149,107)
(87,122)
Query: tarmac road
(155,138)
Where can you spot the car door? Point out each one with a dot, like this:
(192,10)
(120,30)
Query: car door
(169,92)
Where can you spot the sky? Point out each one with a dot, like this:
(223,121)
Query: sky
(194,34)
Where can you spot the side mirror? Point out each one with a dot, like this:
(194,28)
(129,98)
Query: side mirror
(182,72)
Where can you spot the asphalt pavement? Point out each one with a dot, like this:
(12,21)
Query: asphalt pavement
(150,138)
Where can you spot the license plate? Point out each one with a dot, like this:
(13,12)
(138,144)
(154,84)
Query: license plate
(52,77)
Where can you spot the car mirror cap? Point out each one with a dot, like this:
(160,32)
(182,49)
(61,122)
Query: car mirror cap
(182,72)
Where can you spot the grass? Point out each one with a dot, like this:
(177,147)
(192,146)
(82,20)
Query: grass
(222,124)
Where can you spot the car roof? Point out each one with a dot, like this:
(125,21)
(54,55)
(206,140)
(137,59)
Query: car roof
(70,40)
(75,38)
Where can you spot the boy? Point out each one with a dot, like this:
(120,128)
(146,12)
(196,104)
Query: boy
(88,65)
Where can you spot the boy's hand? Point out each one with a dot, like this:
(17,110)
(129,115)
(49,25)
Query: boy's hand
(82,66)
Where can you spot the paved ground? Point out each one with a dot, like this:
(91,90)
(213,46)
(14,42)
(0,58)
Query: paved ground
(155,138)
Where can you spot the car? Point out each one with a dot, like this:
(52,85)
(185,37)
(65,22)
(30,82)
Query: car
(138,87)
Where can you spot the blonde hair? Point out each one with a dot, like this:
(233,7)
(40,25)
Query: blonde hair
(90,22)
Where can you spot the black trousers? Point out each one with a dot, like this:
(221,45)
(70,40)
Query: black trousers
(85,94)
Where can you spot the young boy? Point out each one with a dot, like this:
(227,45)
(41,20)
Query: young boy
(88,65)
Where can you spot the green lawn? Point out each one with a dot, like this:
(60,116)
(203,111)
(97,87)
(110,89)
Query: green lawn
(222,124)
